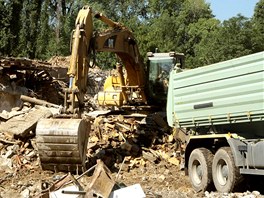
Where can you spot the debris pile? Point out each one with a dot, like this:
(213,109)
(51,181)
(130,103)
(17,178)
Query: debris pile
(36,90)
(133,148)
(27,77)
(134,140)
(122,143)
(101,184)
(17,155)
(17,138)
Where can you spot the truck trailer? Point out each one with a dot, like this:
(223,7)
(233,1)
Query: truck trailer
(221,108)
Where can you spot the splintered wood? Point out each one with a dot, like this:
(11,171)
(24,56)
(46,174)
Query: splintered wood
(142,138)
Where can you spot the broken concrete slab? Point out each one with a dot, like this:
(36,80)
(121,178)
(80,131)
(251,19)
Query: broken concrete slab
(14,112)
(20,126)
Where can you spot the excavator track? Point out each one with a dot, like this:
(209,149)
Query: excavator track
(62,144)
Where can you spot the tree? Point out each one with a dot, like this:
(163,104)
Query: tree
(235,38)
(30,16)
(45,34)
(225,41)
(205,36)
(9,26)
(42,28)
(5,31)
(258,27)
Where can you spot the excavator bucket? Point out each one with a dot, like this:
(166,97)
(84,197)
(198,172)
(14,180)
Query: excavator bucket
(62,144)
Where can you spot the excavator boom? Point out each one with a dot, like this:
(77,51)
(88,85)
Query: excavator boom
(79,62)
(62,141)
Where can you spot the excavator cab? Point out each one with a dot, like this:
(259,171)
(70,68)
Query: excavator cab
(159,66)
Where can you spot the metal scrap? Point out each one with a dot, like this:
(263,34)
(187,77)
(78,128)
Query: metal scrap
(102,182)
(101,185)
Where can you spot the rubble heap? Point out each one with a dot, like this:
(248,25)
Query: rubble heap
(121,142)
(133,139)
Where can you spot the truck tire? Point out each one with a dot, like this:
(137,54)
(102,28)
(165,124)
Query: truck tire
(200,169)
(226,175)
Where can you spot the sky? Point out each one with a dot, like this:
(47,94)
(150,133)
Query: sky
(225,9)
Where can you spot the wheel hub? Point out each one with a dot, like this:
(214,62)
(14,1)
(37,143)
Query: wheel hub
(197,172)
(222,172)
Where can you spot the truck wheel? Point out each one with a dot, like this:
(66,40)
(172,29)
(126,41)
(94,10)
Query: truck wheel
(200,169)
(225,173)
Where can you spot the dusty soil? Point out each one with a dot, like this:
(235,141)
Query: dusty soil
(160,180)
(157,180)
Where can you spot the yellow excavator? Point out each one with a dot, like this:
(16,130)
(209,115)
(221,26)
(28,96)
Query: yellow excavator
(62,140)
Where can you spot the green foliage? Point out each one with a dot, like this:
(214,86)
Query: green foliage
(258,27)
(236,38)
(28,33)
(204,36)
(44,36)
(5,32)
(10,26)
(42,28)
(232,38)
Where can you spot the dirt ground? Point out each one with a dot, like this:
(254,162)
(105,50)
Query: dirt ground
(156,180)
(160,180)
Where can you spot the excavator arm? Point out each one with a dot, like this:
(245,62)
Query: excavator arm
(79,62)
(62,141)
(125,89)
(119,40)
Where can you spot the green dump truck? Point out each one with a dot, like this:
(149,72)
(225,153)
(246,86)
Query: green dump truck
(221,106)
